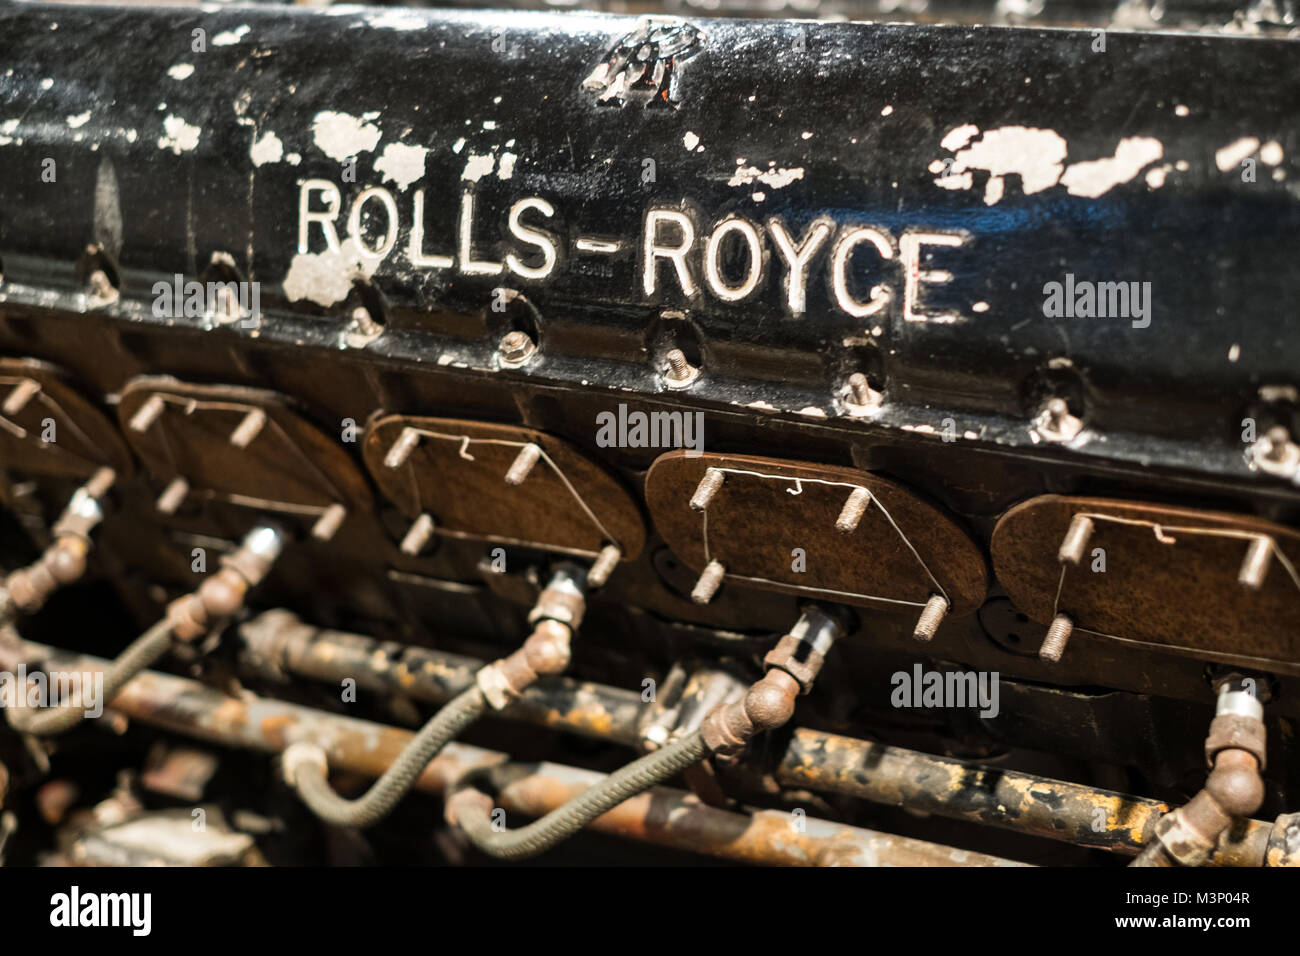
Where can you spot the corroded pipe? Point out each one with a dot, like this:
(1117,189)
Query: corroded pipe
(662,816)
(991,796)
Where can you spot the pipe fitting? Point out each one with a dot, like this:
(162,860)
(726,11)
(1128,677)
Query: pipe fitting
(545,652)
(564,598)
(792,666)
(298,756)
(222,594)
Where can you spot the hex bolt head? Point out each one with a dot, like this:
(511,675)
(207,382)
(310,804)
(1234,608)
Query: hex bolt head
(101,287)
(862,397)
(709,581)
(854,508)
(1058,635)
(932,615)
(1076,540)
(516,348)
(1054,421)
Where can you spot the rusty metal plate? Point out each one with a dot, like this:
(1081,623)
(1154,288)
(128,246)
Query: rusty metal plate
(903,550)
(456,473)
(1170,578)
(39,402)
(285,465)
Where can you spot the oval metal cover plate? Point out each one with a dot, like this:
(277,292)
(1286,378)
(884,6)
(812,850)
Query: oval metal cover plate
(1180,593)
(767,508)
(457,474)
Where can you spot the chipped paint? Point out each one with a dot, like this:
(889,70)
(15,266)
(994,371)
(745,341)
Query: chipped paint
(342,135)
(1095,177)
(80,120)
(1231,155)
(181,71)
(776,177)
(231,37)
(267,149)
(506,168)
(178,135)
(326,277)
(476,167)
(402,164)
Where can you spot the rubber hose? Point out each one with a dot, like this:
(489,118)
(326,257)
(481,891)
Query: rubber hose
(377,802)
(142,652)
(564,821)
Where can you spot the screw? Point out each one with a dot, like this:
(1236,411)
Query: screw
(854,508)
(710,580)
(706,489)
(248,429)
(604,565)
(861,395)
(418,536)
(1076,540)
(100,286)
(1055,423)
(932,615)
(516,347)
(147,414)
(1254,569)
(401,449)
(327,525)
(1058,634)
(523,464)
(680,371)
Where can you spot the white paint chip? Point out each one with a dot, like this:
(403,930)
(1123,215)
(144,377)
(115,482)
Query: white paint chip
(402,164)
(476,167)
(690,140)
(267,149)
(80,120)
(1232,154)
(181,71)
(506,168)
(326,277)
(1098,176)
(341,135)
(777,178)
(231,37)
(178,135)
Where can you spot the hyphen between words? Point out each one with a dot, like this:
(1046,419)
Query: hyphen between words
(728,260)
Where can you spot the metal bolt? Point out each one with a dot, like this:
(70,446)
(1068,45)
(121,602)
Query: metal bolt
(1254,569)
(854,508)
(861,395)
(1075,541)
(417,538)
(173,495)
(365,322)
(147,414)
(932,615)
(706,489)
(516,347)
(1058,635)
(680,371)
(1055,423)
(402,448)
(709,582)
(1275,445)
(22,393)
(523,464)
(100,286)
(248,429)
(604,565)
(327,525)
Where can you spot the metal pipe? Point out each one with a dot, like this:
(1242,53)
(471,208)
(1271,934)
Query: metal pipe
(662,816)
(276,642)
(1023,802)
